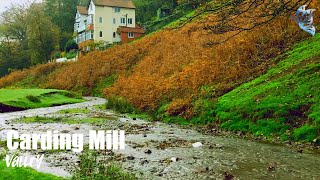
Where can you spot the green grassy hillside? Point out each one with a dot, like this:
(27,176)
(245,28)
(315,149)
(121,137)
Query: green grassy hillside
(284,102)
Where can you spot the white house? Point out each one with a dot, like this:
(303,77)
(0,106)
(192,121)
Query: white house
(107,20)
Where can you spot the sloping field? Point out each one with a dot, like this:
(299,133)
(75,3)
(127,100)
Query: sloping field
(19,99)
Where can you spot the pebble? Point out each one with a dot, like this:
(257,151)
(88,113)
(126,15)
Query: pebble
(148,151)
(130,157)
(174,159)
(197,144)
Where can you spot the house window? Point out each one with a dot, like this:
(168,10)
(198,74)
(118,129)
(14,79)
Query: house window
(130,21)
(130,35)
(117,9)
(123,20)
(80,37)
(91,34)
(100,33)
(114,34)
(114,21)
(100,19)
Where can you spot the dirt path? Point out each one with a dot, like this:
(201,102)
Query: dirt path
(162,151)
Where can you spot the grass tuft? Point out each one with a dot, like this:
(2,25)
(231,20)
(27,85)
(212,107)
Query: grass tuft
(94,166)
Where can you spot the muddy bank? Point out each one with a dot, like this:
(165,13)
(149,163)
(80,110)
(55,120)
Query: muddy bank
(5,108)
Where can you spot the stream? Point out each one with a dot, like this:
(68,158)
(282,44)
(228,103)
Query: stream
(155,150)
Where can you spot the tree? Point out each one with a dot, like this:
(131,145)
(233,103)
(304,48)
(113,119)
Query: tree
(62,14)
(14,52)
(43,35)
(146,10)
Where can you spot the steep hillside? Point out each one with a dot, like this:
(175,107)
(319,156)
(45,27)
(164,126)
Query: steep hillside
(183,73)
(284,102)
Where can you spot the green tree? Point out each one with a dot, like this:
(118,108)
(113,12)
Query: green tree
(146,10)
(14,52)
(43,35)
(62,14)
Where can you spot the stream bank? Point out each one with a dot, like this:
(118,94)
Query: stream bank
(155,150)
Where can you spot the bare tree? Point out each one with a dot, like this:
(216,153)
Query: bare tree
(236,16)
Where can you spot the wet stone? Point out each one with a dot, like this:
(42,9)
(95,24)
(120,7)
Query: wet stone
(130,157)
(144,162)
(148,151)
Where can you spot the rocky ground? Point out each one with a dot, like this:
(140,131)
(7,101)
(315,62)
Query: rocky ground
(160,151)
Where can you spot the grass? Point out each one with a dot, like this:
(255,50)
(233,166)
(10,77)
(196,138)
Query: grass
(120,105)
(100,107)
(3,143)
(36,98)
(23,173)
(95,166)
(105,82)
(74,111)
(38,119)
(284,102)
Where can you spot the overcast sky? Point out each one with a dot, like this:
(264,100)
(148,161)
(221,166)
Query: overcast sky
(4,4)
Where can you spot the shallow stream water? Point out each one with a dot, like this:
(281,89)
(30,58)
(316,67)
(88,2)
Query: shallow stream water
(156,150)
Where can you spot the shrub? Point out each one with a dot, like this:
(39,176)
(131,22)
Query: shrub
(71,95)
(71,44)
(180,107)
(71,55)
(63,54)
(120,105)
(57,55)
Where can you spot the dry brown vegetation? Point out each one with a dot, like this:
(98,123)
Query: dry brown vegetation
(172,65)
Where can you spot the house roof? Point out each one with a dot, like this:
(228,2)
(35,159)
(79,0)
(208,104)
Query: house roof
(115,3)
(82,10)
(136,29)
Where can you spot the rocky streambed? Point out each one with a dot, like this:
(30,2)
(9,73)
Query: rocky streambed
(156,150)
